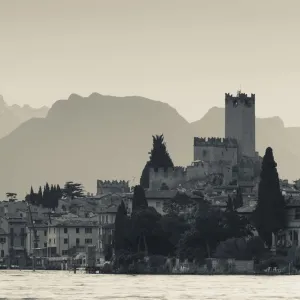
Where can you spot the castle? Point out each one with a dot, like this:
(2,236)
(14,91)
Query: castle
(114,187)
(233,158)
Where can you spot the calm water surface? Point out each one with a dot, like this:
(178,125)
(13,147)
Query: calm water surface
(64,285)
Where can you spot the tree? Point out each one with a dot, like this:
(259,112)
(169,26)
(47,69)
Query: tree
(180,203)
(240,248)
(32,197)
(11,196)
(40,196)
(146,231)
(120,228)
(139,200)
(229,204)
(73,190)
(108,252)
(159,158)
(269,214)
(46,196)
(238,199)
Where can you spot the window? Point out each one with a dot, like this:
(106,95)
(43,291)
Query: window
(106,219)
(77,230)
(45,245)
(2,240)
(88,241)
(49,241)
(53,241)
(65,241)
(77,242)
(65,230)
(88,230)
(64,252)
(297,213)
(45,232)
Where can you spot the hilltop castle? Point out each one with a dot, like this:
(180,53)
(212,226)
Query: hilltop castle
(230,159)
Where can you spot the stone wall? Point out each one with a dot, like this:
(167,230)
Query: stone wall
(114,186)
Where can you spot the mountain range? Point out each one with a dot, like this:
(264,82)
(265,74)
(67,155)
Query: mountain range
(12,116)
(83,139)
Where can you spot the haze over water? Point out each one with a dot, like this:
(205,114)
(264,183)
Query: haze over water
(66,285)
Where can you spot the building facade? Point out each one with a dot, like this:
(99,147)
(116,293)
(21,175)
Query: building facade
(66,235)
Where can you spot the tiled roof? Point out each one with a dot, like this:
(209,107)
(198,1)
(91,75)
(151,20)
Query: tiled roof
(74,222)
(168,194)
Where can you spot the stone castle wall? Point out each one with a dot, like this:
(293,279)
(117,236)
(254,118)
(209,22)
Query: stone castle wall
(216,149)
(199,170)
(114,186)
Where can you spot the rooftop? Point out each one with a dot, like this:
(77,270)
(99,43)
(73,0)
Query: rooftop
(75,222)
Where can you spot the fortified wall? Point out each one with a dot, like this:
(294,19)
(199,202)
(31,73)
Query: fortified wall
(172,177)
(215,149)
(198,170)
(114,186)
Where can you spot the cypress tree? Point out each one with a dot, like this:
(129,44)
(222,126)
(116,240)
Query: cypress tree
(269,214)
(159,158)
(229,204)
(238,200)
(139,200)
(120,227)
(46,196)
(40,196)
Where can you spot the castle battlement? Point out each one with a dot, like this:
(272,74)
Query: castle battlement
(240,98)
(112,183)
(112,186)
(215,142)
(176,172)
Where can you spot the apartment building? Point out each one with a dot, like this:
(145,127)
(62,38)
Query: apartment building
(71,235)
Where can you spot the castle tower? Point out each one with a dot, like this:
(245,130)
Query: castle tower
(240,121)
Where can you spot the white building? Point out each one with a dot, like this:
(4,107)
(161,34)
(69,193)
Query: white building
(73,234)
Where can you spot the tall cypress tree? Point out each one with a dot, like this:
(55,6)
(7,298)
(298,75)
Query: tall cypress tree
(46,196)
(269,214)
(238,199)
(120,228)
(40,196)
(159,158)
(139,200)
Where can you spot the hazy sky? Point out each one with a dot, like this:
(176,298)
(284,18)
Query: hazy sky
(187,53)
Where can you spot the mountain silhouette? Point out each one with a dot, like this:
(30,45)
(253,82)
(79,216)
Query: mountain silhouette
(12,116)
(83,139)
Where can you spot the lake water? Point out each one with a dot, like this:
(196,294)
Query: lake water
(67,285)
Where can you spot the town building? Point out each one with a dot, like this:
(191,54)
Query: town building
(72,234)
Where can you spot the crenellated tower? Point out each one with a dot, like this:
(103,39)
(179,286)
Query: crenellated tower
(240,122)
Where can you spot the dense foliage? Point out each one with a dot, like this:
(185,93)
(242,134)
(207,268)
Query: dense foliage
(48,197)
(269,215)
(73,190)
(159,158)
(191,228)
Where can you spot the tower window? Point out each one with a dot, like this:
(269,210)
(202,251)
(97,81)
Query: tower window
(235,103)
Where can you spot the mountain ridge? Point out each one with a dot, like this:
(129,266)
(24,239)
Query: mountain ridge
(107,137)
(13,116)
